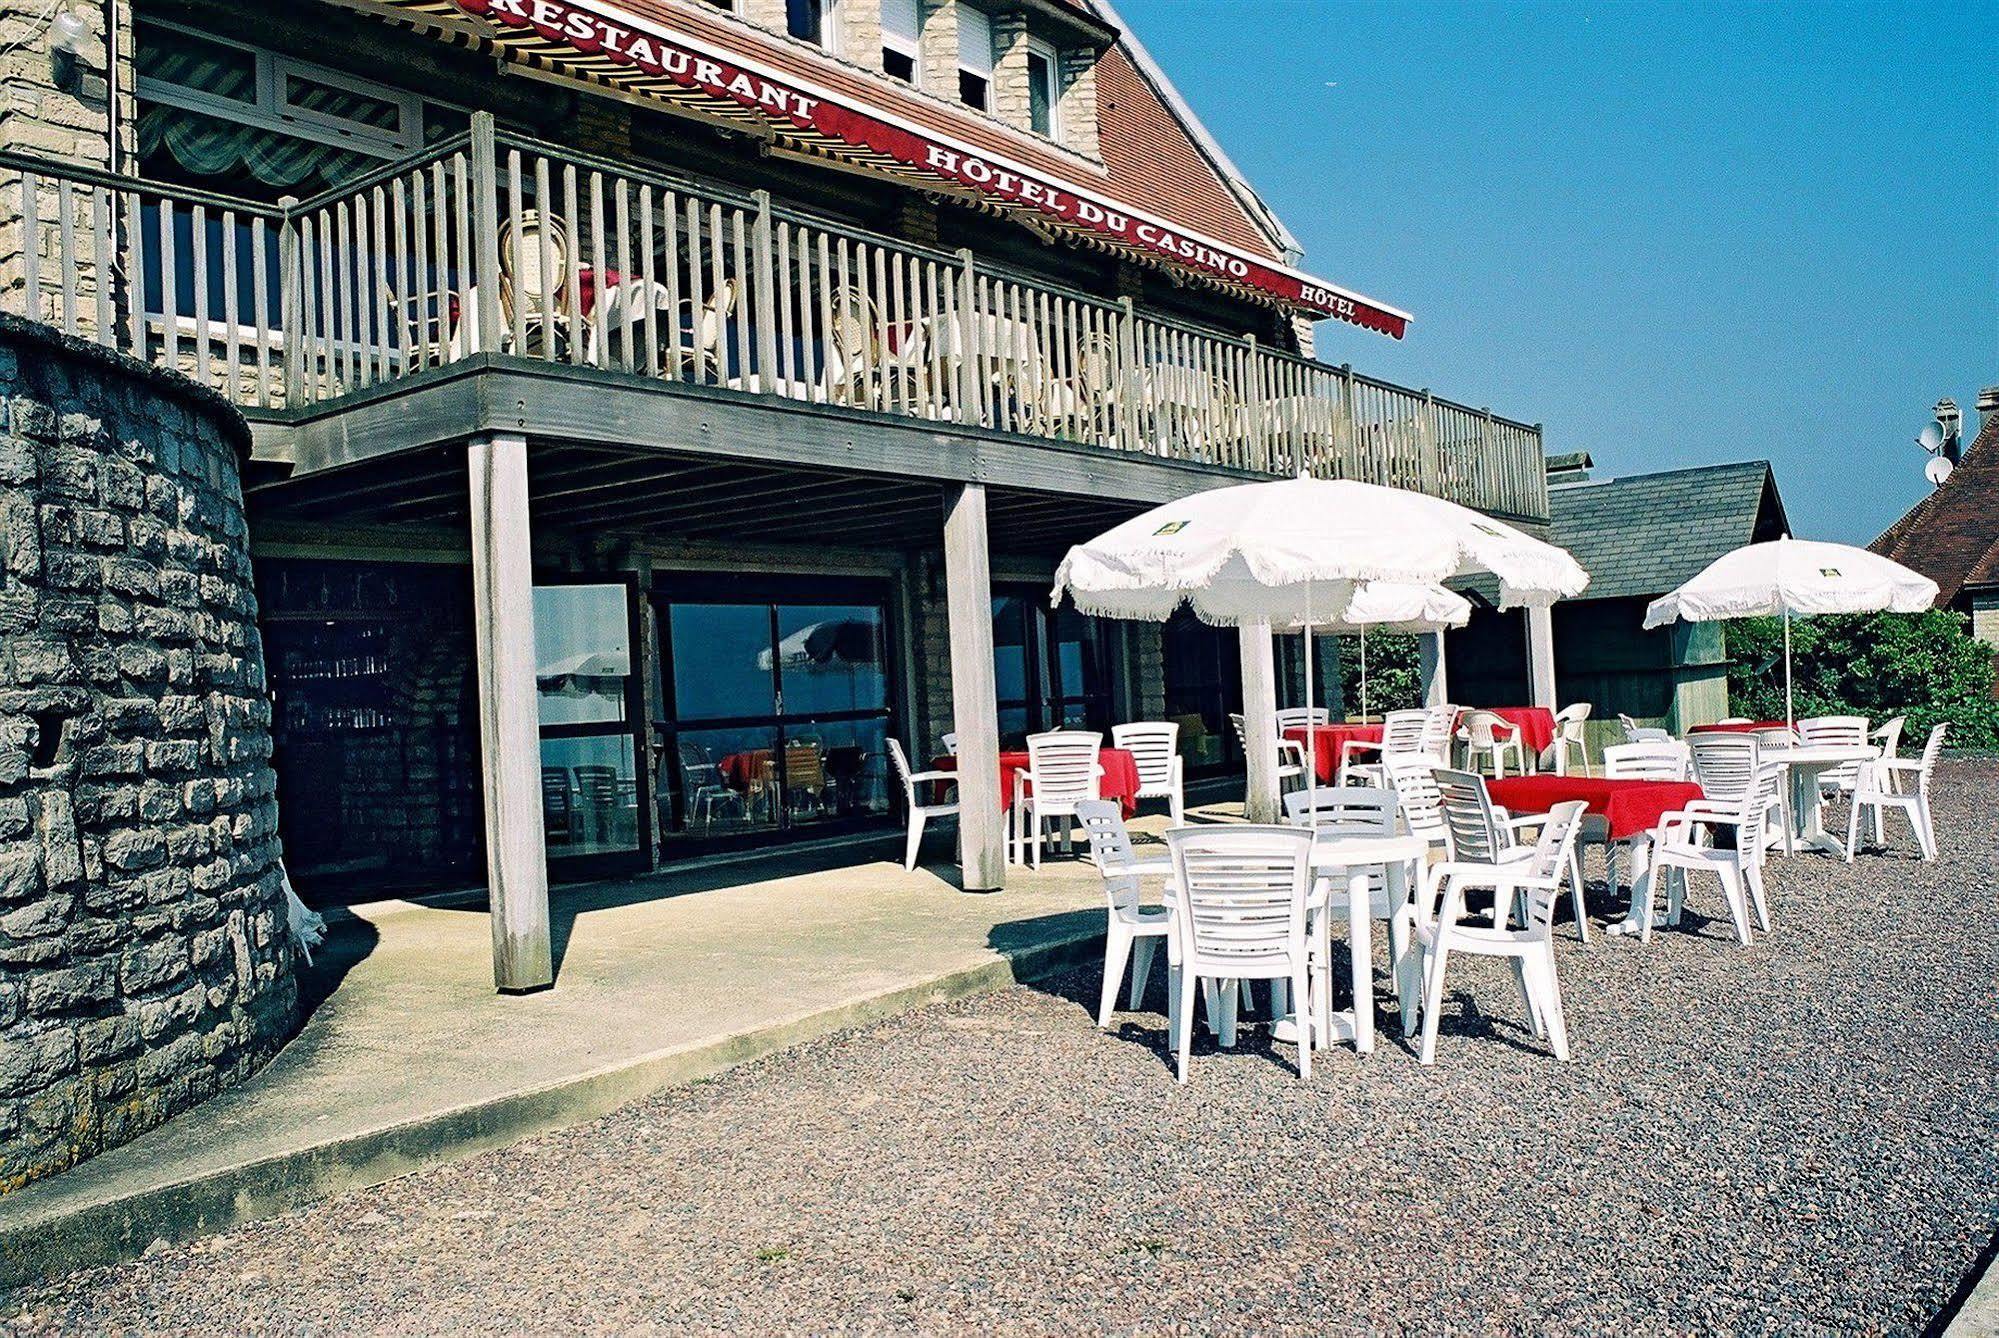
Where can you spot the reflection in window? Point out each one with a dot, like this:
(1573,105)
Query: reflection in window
(831,658)
(727,780)
(582,653)
(721,661)
(589,795)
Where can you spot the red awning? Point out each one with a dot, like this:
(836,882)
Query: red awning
(595,40)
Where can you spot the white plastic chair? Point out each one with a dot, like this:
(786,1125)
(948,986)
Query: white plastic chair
(1728,766)
(1130,925)
(1494,736)
(1350,810)
(1637,733)
(1735,720)
(1062,771)
(1836,731)
(1240,916)
(1440,726)
(1679,849)
(1155,746)
(1648,759)
(1570,732)
(950,742)
(1411,774)
(919,812)
(1533,882)
(1299,717)
(1882,787)
(1402,732)
(1292,760)
(1480,833)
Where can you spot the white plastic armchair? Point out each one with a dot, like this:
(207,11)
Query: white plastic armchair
(1531,883)
(1570,733)
(1155,746)
(1637,733)
(1903,784)
(1479,832)
(1836,731)
(1402,732)
(919,812)
(1300,717)
(1130,925)
(1679,848)
(1063,770)
(1292,761)
(1494,736)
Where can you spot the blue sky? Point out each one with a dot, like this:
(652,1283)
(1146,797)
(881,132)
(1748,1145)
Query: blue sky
(1674,234)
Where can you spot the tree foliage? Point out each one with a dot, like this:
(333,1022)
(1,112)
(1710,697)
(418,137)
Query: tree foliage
(1394,677)
(1926,666)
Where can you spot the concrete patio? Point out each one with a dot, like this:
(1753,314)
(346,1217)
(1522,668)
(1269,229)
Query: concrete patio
(409,1058)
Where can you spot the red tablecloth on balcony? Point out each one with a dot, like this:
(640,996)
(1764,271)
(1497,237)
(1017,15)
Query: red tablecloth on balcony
(1747,727)
(1120,780)
(1330,741)
(1535,723)
(1631,807)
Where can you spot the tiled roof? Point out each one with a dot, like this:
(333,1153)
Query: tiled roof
(1648,533)
(1952,536)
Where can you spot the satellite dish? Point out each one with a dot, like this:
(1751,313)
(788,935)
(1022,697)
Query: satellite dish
(1931,438)
(1937,470)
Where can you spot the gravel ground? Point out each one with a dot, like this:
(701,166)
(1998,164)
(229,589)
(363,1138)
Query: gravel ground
(1797,1137)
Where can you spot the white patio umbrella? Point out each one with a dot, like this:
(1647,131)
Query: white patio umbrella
(1795,578)
(1387,606)
(1295,552)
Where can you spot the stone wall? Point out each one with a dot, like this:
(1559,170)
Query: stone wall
(144,959)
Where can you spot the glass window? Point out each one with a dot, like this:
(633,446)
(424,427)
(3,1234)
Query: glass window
(582,653)
(726,780)
(197,64)
(830,658)
(336,103)
(1041,93)
(589,795)
(975,57)
(900,27)
(722,661)
(810,21)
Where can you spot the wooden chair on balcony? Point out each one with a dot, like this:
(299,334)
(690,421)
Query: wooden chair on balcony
(528,295)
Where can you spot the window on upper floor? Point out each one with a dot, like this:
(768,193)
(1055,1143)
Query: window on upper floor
(1043,89)
(726,6)
(814,21)
(901,56)
(975,57)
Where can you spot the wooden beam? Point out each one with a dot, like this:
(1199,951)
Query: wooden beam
(509,730)
(1259,724)
(974,693)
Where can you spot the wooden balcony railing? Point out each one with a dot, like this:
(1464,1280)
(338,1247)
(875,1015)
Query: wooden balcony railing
(491,243)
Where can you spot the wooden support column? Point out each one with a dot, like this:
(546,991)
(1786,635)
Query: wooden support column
(968,604)
(1541,655)
(509,729)
(1259,724)
(1430,667)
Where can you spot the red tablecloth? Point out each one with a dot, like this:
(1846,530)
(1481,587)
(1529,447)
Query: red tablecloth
(739,769)
(1748,727)
(1630,806)
(1535,723)
(1330,741)
(1120,780)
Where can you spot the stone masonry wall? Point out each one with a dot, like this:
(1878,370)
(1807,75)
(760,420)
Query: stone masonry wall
(144,958)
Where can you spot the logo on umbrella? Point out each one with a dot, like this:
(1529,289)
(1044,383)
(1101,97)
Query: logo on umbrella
(1829,571)
(1171,527)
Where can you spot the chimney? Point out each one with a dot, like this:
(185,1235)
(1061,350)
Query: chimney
(1988,402)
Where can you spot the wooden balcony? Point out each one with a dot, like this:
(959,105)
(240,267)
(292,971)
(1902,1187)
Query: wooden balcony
(489,247)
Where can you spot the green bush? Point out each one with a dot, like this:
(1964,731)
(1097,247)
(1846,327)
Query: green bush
(1926,666)
(1394,679)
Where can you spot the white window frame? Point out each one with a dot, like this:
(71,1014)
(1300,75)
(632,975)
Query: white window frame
(1046,50)
(987,72)
(910,45)
(829,26)
(271,112)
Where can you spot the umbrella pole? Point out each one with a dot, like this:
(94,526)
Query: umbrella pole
(1790,716)
(1363,673)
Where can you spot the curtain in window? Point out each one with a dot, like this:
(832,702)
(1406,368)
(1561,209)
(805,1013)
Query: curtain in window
(207,146)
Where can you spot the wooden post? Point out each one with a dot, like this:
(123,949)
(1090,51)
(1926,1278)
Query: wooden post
(1541,655)
(509,731)
(1430,667)
(1259,723)
(974,695)
(486,231)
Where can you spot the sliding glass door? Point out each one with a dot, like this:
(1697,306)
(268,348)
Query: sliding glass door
(773,706)
(592,786)
(1051,668)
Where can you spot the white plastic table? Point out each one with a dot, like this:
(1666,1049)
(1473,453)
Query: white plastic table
(1358,856)
(1804,765)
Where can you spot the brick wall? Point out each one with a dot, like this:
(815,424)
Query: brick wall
(144,959)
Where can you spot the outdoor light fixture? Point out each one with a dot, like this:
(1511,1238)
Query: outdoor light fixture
(67,34)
